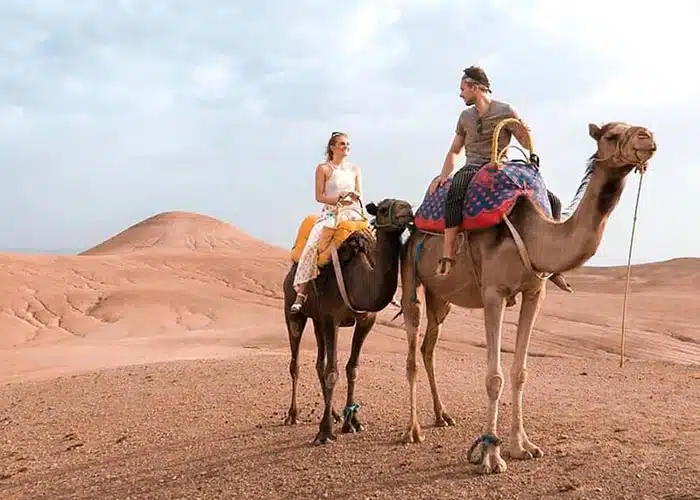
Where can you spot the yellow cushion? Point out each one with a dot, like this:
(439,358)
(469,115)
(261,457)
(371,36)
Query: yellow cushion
(328,236)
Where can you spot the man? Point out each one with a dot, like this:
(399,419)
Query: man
(474,132)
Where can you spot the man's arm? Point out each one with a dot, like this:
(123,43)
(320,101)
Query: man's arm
(455,149)
(521,133)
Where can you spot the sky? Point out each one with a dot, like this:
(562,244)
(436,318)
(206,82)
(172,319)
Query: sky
(111,112)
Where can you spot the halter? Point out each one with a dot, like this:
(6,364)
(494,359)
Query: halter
(619,154)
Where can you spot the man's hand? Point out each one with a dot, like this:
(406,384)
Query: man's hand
(439,181)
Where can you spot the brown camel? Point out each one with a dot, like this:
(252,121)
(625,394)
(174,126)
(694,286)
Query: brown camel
(370,269)
(515,256)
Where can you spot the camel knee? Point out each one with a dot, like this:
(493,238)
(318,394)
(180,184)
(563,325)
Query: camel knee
(411,313)
(411,368)
(518,378)
(494,386)
(293,368)
(331,378)
(351,372)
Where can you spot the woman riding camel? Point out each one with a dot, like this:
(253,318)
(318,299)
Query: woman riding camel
(339,190)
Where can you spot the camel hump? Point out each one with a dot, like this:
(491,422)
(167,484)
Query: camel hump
(491,194)
(335,236)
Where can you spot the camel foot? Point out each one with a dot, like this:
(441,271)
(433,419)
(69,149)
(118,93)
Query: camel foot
(292,417)
(492,463)
(351,423)
(526,451)
(336,416)
(324,437)
(485,455)
(442,419)
(413,435)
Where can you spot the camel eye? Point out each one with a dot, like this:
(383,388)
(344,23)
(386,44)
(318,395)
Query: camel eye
(612,137)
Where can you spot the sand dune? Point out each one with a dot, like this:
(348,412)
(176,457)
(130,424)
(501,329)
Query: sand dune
(176,231)
(184,287)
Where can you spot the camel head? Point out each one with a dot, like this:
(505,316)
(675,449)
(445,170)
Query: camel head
(621,145)
(391,214)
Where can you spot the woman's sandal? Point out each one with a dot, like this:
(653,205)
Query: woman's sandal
(298,303)
(444,266)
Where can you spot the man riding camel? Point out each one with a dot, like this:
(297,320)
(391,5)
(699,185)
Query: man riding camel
(474,133)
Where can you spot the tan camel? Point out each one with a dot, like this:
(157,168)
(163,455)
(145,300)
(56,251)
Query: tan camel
(513,257)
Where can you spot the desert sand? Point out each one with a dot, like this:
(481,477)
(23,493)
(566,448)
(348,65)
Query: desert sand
(155,365)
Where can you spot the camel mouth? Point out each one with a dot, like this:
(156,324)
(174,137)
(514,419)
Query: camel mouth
(645,153)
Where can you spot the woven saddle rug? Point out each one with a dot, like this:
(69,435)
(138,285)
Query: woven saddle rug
(491,194)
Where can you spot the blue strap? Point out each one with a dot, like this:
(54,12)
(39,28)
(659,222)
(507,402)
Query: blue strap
(351,409)
(416,260)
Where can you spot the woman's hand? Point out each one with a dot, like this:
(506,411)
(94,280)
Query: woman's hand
(347,197)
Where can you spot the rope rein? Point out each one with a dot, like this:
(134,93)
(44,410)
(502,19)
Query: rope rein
(641,171)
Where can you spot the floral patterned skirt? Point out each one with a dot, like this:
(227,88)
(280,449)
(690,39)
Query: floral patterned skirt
(307,269)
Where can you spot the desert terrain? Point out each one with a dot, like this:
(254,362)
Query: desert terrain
(155,365)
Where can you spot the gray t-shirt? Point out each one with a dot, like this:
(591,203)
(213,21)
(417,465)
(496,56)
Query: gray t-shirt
(478,145)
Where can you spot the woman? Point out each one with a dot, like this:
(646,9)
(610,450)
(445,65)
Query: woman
(339,190)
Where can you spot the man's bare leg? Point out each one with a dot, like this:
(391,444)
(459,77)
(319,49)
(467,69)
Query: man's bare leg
(445,263)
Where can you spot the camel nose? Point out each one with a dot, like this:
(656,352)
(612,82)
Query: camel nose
(646,135)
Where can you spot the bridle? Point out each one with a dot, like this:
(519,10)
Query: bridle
(390,217)
(619,154)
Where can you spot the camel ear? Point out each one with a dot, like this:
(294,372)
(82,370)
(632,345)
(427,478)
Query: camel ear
(594,131)
(371,208)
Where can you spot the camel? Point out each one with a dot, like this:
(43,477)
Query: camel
(514,255)
(368,280)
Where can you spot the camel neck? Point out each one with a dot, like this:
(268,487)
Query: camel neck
(371,288)
(560,246)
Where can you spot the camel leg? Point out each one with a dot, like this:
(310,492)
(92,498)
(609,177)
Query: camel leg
(490,460)
(329,377)
(437,310)
(362,328)
(321,362)
(520,445)
(295,328)
(411,314)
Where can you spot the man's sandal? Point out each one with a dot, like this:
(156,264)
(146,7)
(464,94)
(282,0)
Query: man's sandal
(444,266)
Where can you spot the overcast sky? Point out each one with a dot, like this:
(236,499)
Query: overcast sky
(111,112)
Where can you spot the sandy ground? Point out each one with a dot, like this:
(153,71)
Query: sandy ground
(156,366)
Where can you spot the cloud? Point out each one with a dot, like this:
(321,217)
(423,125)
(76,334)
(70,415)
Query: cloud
(644,50)
(113,111)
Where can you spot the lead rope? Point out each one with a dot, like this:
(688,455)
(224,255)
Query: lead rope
(629,269)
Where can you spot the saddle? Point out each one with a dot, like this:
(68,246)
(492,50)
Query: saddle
(329,236)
